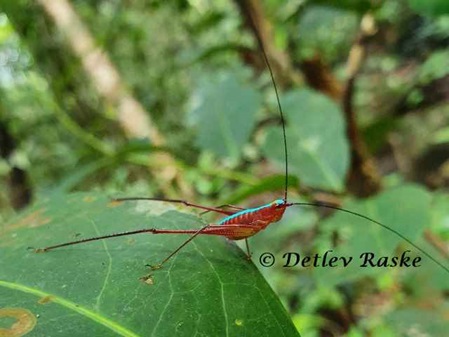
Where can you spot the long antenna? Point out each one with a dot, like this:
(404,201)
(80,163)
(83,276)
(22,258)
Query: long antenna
(259,40)
(261,46)
(318,204)
(281,112)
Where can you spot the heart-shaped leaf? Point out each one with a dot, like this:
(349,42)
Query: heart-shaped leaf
(223,110)
(317,147)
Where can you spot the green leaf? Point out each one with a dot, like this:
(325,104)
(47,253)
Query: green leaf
(224,111)
(268,184)
(440,214)
(435,67)
(430,7)
(441,136)
(6,30)
(318,149)
(209,288)
(327,31)
(376,134)
(360,6)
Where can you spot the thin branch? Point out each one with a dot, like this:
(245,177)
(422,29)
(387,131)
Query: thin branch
(78,132)
(102,73)
(363,178)
(81,75)
(319,76)
(256,21)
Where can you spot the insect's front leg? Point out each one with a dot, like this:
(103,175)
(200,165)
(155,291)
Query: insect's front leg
(232,231)
(237,208)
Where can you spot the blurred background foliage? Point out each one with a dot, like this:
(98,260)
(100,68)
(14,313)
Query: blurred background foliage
(172,99)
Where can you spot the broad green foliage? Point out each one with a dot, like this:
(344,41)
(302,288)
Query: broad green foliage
(208,289)
(435,67)
(223,112)
(430,7)
(5,29)
(327,31)
(318,149)
(272,183)
(353,5)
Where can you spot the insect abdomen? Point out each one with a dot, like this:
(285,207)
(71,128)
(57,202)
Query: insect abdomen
(244,217)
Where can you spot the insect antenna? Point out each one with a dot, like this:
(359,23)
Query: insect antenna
(325,205)
(281,112)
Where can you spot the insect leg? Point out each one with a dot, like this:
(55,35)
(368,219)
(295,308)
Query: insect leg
(158,266)
(248,253)
(226,205)
(176,201)
(233,232)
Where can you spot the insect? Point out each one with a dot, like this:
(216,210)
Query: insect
(239,223)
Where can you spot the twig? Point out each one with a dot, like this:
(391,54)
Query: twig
(319,76)
(78,132)
(101,72)
(363,178)
(256,21)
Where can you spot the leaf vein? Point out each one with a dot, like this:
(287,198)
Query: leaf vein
(72,306)
(108,273)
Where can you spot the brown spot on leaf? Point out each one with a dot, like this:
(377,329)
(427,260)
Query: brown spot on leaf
(148,279)
(114,203)
(34,219)
(25,322)
(45,299)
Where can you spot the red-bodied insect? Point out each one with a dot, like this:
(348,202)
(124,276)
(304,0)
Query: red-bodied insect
(241,223)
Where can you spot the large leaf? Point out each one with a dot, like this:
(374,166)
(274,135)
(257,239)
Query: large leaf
(318,149)
(435,67)
(223,110)
(430,7)
(93,289)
